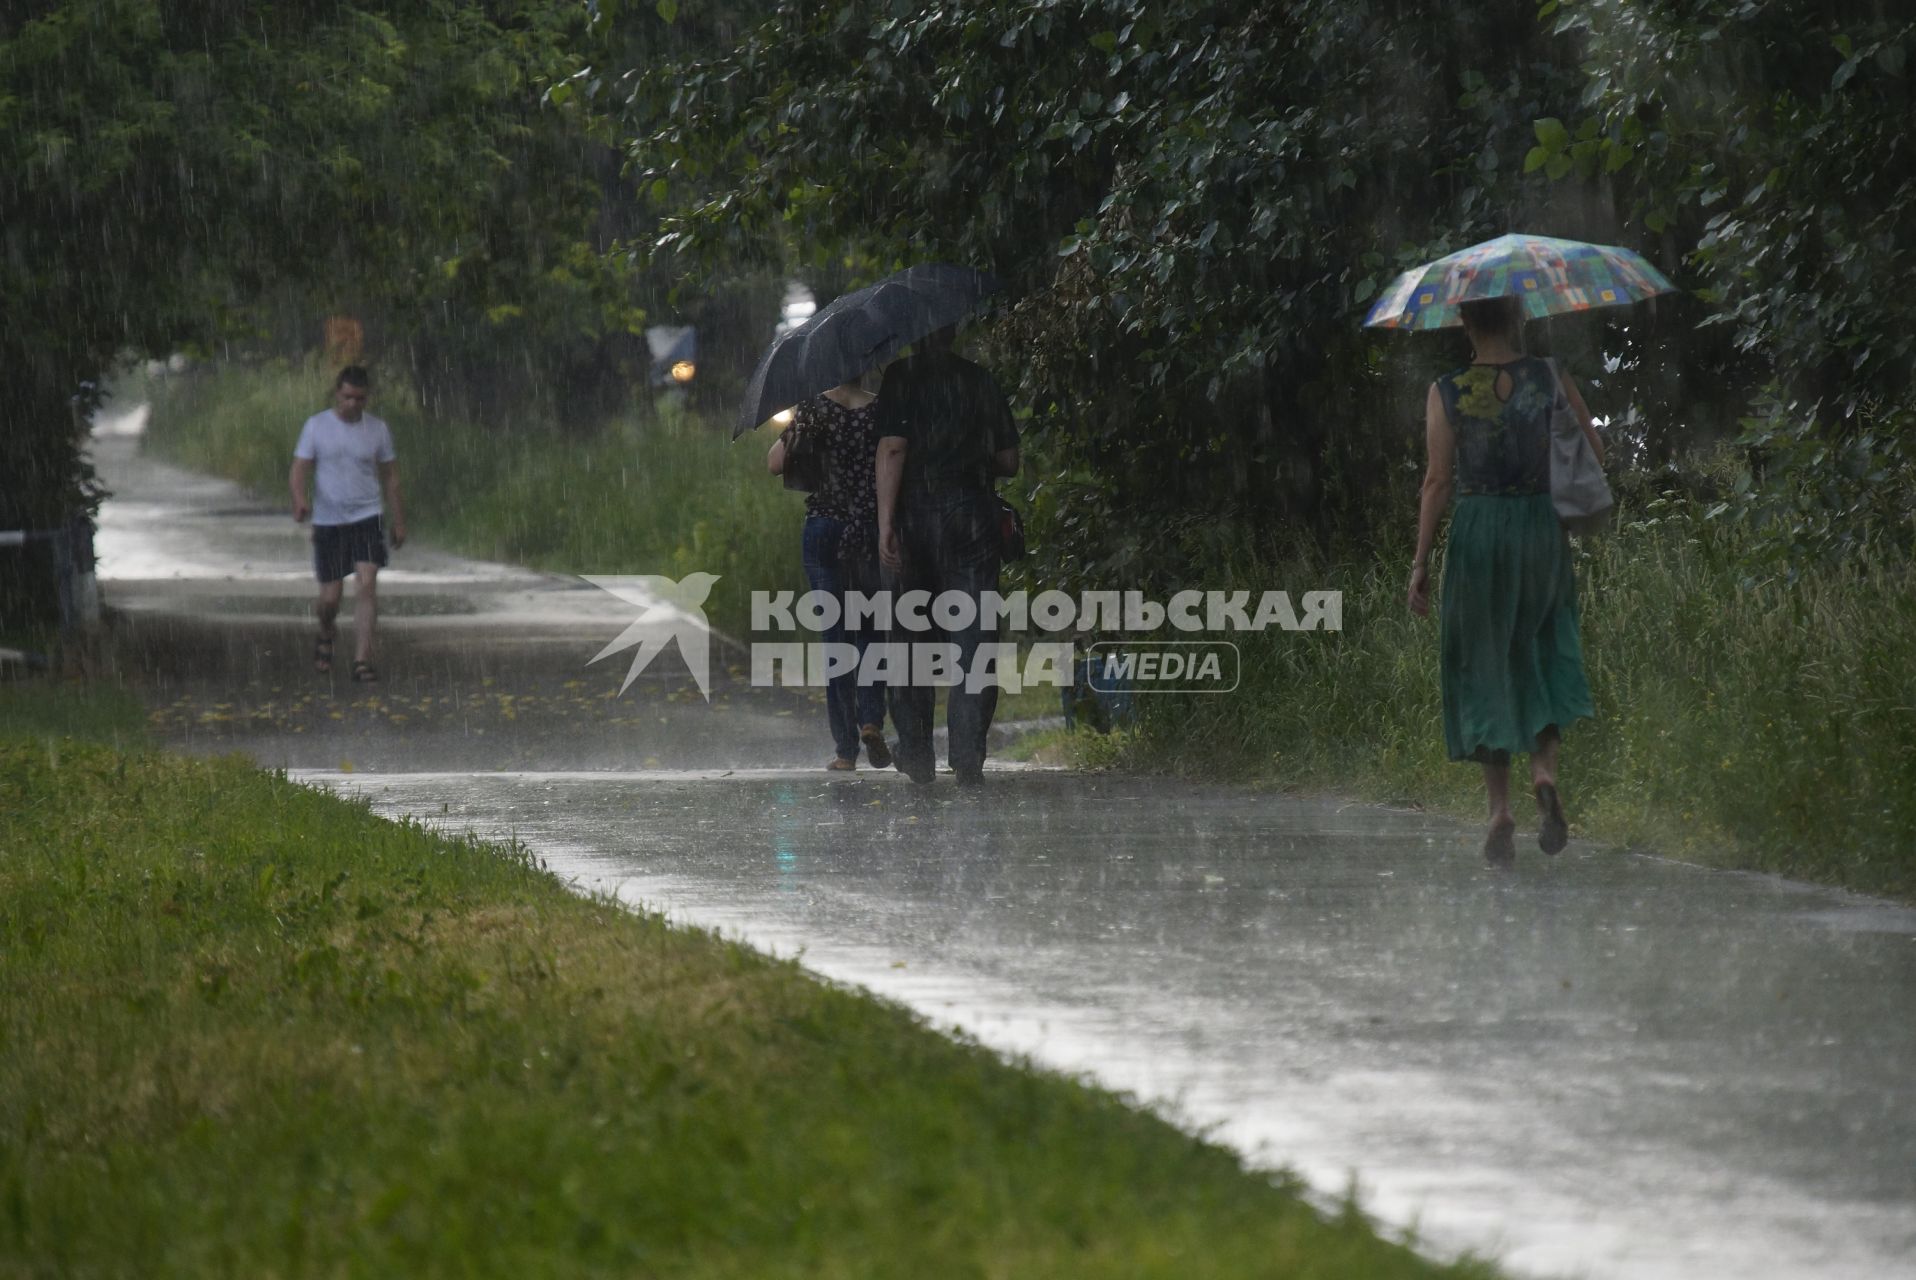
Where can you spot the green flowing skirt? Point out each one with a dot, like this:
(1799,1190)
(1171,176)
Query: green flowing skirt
(1512,664)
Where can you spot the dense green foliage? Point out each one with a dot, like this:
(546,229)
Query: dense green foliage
(246,1027)
(1773,137)
(1770,143)
(1194,201)
(181,173)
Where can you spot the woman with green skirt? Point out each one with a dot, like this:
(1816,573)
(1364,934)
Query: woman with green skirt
(1511,664)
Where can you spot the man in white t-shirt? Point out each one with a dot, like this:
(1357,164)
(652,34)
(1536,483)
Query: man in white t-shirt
(348,455)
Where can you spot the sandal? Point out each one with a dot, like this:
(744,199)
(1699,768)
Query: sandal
(840,764)
(1500,847)
(363,673)
(1554,833)
(323,654)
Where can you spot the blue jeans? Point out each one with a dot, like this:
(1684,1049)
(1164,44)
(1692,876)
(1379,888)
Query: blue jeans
(848,704)
(951,542)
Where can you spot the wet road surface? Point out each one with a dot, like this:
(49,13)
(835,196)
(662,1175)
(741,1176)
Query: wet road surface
(1602,1065)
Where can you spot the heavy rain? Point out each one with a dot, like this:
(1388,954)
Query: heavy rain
(1034,638)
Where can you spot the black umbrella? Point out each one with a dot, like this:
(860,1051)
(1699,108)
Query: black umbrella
(859,331)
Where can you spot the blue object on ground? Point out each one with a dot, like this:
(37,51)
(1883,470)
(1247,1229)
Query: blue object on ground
(1102,701)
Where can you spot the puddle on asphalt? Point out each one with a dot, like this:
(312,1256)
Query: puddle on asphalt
(1870,919)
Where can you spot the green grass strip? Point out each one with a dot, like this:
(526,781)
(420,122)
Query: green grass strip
(249,1028)
(91,711)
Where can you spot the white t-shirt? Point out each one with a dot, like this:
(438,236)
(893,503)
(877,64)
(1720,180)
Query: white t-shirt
(345,457)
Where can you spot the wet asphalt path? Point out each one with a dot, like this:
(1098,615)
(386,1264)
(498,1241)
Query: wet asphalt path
(1601,1065)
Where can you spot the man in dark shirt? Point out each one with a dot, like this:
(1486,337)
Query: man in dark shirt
(945,434)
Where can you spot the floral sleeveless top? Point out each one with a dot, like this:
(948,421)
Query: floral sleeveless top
(848,490)
(1503,446)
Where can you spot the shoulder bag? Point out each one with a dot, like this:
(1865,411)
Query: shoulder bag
(1577,487)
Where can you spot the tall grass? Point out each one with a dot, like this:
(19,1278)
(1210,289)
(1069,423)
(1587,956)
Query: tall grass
(1753,720)
(669,495)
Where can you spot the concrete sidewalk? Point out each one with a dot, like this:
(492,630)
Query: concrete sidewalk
(484,666)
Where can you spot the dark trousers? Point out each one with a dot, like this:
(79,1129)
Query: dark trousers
(848,704)
(950,543)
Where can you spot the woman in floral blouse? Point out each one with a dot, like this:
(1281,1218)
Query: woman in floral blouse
(841,551)
(1511,663)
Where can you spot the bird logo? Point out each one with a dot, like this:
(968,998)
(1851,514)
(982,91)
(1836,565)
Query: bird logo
(668,610)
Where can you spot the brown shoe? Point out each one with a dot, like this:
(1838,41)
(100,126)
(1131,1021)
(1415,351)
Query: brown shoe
(840,764)
(876,752)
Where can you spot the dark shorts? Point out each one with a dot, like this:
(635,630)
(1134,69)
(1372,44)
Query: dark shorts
(337,548)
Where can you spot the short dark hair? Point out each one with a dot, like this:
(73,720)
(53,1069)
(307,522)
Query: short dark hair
(1498,317)
(353,375)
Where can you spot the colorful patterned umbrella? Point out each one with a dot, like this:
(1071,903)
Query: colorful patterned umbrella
(1551,276)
